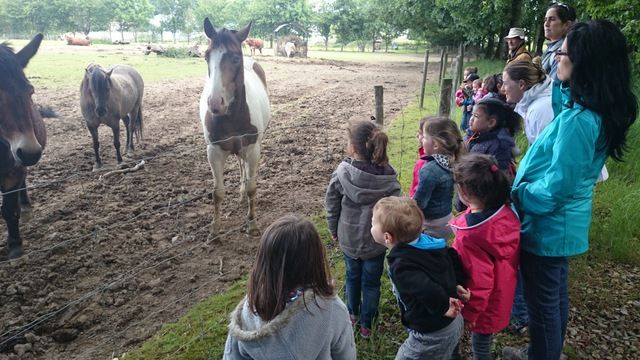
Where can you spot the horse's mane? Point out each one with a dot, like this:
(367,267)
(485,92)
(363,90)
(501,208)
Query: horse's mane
(12,77)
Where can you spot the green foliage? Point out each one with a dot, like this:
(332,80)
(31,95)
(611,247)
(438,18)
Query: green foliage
(131,15)
(176,52)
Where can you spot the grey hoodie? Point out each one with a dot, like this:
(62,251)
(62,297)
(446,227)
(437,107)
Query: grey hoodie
(535,108)
(320,330)
(349,202)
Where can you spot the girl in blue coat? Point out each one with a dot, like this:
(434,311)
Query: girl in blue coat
(553,188)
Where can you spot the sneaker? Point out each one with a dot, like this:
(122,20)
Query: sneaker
(514,353)
(365,333)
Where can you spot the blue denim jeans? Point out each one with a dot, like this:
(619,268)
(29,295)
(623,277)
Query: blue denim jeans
(481,346)
(363,287)
(519,314)
(545,291)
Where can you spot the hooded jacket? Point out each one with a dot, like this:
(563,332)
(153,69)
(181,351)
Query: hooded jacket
(498,143)
(321,330)
(535,108)
(349,202)
(553,189)
(521,54)
(435,189)
(489,252)
(424,274)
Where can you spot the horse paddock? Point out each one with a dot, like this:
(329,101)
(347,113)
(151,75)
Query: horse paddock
(110,256)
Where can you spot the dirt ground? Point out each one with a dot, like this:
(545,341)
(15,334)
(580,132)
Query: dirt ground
(110,258)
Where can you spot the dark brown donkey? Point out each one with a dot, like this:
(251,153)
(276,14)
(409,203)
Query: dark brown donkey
(106,96)
(22,137)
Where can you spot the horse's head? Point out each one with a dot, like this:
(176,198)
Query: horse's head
(17,112)
(99,84)
(224,58)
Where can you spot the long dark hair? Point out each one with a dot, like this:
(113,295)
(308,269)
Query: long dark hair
(503,113)
(480,177)
(290,255)
(601,79)
(369,141)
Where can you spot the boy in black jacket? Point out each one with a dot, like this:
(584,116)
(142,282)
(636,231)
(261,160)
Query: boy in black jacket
(424,273)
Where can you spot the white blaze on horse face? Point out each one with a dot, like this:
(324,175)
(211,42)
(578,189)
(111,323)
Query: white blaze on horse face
(219,97)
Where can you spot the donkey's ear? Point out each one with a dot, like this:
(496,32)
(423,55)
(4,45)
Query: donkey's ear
(28,51)
(243,33)
(108,73)
(208,29)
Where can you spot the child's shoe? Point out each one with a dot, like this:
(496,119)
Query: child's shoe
(365,333)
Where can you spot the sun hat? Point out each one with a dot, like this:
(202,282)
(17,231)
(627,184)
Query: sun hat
(515,32)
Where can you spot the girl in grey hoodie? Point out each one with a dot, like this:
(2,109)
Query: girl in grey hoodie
(358,183)
(291,310)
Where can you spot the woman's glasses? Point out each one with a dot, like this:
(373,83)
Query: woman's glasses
(561,53)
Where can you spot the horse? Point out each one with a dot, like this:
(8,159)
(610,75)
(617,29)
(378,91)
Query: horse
(106,96)
(290,49)
(22,137)
(235,112)
(72,40)
(255,43)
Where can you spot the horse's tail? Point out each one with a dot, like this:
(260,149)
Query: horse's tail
(137,124)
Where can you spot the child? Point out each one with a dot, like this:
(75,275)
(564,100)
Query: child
(492,85)
(493,128)
(424,274)
(487,238)
(442,144)
(478,90)
(464,98)
(420,162)
(354,188)
(290,307)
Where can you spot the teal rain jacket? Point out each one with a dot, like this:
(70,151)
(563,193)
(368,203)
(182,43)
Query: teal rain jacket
(553,188)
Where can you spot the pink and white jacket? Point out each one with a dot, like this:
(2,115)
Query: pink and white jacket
(489,252)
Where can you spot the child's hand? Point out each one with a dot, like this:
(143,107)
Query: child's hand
(455,306)
(463,294)
(469,107)
(468,325)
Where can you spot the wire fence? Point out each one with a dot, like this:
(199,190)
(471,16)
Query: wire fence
(176,250)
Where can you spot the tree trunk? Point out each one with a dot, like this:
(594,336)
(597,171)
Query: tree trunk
(121,34)
(501,44)
(488,51)
(326,43)
(540,39)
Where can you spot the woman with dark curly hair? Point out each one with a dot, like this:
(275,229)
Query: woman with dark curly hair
(553,189)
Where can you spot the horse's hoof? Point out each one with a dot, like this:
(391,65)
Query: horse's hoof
(253,230)
(15,253)
(214,230)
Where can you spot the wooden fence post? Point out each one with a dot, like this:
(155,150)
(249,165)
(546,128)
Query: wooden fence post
(425,67)
(444,108)
(379,105)
(457,79)
(444,66)
(441,66)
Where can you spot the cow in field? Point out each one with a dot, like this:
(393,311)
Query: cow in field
(255,43)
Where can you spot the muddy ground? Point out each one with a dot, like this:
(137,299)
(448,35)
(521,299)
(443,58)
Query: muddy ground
(110,258)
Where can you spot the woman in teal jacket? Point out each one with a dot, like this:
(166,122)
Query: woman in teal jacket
(553,188)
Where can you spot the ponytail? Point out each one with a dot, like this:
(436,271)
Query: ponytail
(530,73)
(369,141)
(445,132)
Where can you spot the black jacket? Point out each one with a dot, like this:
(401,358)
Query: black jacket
(423,281)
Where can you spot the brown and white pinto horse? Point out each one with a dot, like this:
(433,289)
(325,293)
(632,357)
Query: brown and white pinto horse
(255,43)
(235,112)
(22,137)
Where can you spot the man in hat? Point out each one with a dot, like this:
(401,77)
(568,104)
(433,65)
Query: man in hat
(517,48)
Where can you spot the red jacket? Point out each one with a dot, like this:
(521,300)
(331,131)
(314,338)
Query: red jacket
(489,252)
(416,172)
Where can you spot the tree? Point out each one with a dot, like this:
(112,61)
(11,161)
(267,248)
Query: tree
(131,15)
(323,18)
(174,14)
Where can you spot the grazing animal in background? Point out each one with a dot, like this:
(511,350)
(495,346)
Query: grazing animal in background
(22,137)
(106,96)
(72,40)
(235,112)
(255,43)
(289,49)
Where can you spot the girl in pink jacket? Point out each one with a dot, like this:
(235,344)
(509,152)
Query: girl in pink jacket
(487,238)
